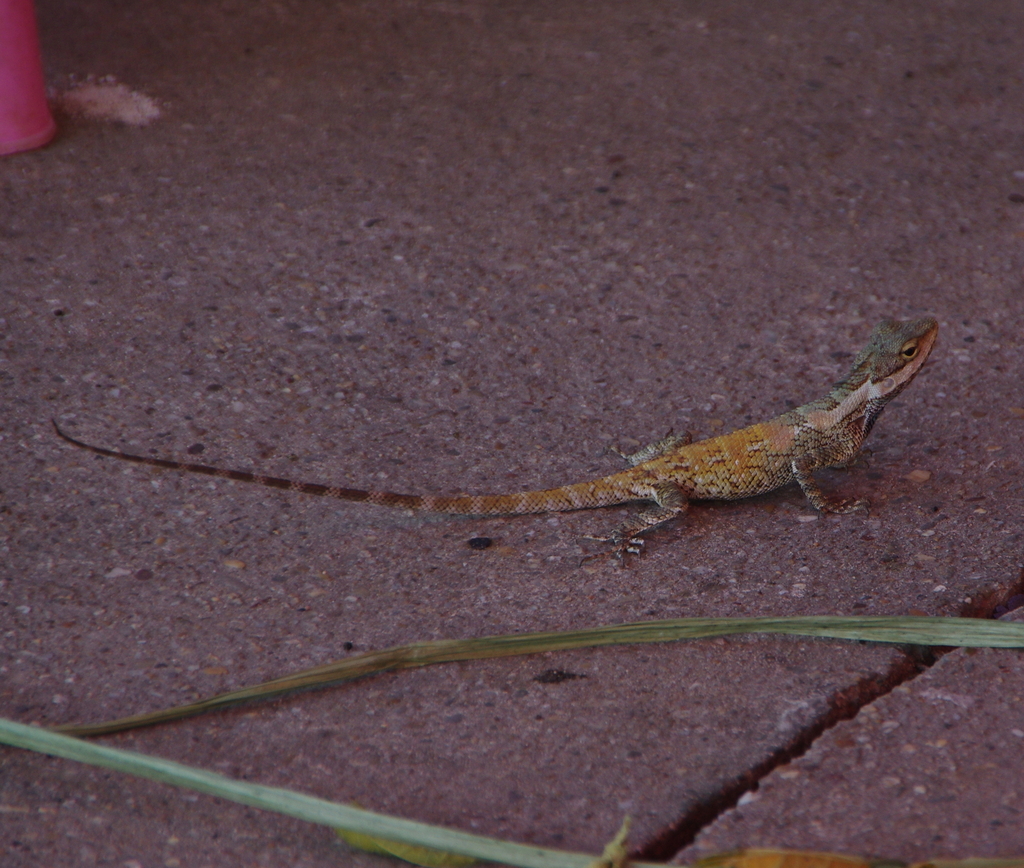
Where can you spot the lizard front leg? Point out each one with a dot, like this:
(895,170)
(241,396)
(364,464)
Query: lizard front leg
(803,472)
(669,502)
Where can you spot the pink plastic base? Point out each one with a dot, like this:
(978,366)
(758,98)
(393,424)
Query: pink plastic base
(25,119)
(27,143)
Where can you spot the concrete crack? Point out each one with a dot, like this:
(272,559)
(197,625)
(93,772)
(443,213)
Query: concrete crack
(843,705)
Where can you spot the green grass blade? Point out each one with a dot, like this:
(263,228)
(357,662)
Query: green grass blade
(288,802)
(963,632)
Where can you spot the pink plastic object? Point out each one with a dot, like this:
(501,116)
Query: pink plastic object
(25,119)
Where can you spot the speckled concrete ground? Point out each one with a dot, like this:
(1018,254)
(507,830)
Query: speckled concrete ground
(934,768)
(465,246)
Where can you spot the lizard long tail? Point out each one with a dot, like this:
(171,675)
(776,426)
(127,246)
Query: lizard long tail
(585,495)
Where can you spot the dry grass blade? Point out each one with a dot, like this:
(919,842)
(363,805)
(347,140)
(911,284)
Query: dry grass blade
(964,632)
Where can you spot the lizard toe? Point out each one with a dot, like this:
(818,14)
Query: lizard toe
(845,507)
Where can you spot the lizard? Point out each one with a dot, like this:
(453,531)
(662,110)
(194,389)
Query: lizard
(675,470)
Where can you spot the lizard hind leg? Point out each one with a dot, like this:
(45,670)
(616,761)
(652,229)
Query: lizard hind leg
(654,450)
(669,502)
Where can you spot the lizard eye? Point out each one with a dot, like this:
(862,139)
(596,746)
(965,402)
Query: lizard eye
(909,350)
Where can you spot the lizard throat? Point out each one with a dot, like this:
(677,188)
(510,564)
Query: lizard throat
(852,406)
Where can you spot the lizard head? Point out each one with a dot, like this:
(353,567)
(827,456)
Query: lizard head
(894,354)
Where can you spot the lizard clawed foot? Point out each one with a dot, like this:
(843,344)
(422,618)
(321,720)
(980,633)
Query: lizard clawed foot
(845,507)
(621,546)
(595,557)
